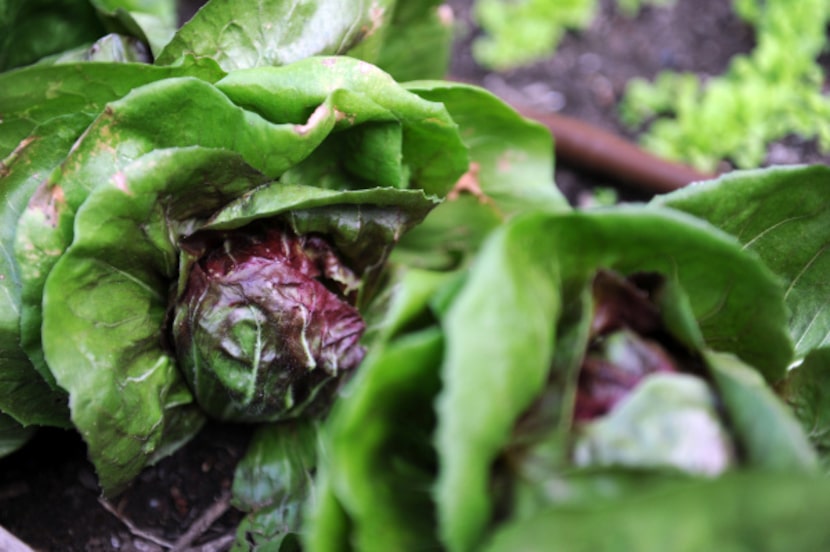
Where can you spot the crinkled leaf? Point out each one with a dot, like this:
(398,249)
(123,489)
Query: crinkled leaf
(739,511)
(105,304)
(25,393)
(12,435)
(499,344)
(32,29)
(808,392)
(370,109)
(769,434)
(511,171)
(273,482)
(380,461)
(783,216)
(45,109)
(274,32)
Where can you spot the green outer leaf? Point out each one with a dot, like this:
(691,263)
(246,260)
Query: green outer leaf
(808,392)
(770,435)
(514,154)
(37,95)
(326,526)
(500,329)
(783,216)
(431,146)
(106,300)
(274,32)
(380,460)
(12,435)
(273,481)
(44,111)
(741,511)
(24,392)
(499,334)
(514,159)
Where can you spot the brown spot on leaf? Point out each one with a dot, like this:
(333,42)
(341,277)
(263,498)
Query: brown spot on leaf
(5,165)
(50,200)
(469,184)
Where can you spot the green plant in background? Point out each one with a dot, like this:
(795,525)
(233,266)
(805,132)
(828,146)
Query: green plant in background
(774,91)
(523,31)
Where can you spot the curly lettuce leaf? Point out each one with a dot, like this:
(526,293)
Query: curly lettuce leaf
(783,216)
(739,308)
(274,32)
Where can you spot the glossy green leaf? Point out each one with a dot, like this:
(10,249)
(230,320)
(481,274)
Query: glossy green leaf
(380,461)
(272,483)
(274,32)
(807,391)
(783,216)
(770,435)
(500,330)
(511,171)
(104,304)
(742,511)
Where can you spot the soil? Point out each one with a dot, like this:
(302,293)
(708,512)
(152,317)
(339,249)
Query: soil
(49,497)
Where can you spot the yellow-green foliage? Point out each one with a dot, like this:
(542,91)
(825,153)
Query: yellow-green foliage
(773,92)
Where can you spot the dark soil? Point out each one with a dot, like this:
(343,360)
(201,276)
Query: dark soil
(48,492)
